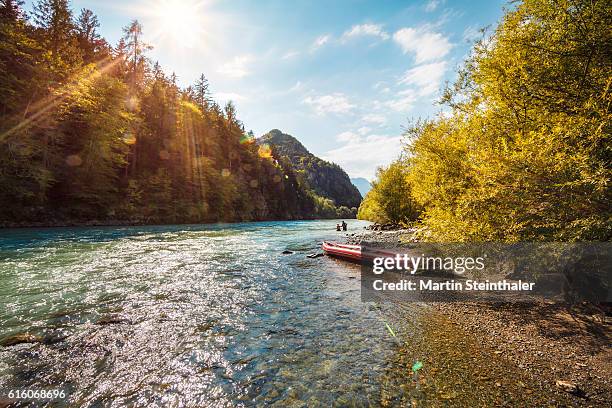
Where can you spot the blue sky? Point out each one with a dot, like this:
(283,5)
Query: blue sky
(342,76)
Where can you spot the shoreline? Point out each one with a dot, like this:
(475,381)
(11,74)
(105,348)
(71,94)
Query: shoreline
(131,223)
(564,352)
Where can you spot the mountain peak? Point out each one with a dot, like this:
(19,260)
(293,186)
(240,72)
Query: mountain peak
(326,179)
(286,144)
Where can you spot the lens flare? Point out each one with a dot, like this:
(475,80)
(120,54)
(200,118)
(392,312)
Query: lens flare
(180,20)
(74,160)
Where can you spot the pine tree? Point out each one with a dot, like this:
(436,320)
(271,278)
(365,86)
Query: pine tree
(135,49)
(158,72)
(90,41)
(55,18)
(11,10)
(202,92)
(18,59)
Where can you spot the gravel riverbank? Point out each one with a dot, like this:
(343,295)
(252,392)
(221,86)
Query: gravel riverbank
(561,353)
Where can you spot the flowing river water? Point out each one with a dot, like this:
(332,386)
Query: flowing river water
(202,315)
(218,316)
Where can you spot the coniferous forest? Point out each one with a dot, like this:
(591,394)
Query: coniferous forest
(95,131)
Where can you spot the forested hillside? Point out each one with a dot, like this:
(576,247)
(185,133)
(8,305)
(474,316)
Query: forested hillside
(94,131)
(525,151)
(327,179)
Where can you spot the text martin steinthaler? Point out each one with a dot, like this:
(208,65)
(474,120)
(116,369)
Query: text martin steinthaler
(459,265)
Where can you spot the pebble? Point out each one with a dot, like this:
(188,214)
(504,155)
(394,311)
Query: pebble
(568,386)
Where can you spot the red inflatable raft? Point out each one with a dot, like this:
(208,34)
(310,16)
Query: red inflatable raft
(351,252)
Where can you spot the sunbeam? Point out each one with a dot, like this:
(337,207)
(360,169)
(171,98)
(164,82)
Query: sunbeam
(36,112)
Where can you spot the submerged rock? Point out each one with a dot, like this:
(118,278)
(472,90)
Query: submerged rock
(111,319)
(54,338)
(20,339)
(287,252)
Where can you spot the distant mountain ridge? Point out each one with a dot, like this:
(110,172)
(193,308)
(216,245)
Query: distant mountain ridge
(326,179)
(363,185)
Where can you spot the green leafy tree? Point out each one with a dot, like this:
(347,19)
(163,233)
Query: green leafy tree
(390,199)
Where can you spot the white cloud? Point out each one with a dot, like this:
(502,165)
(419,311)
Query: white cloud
(348,137)
(365,30)
(230,96)
(333,103)
(402,104)
(360,157)
(426,45)
(364,130)
(432,5)
(320,41)
(238,67)
(290,54)
(427,77)
(380,86)
(375,119)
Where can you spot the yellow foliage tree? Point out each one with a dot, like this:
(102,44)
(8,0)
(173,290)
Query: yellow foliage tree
(525,153)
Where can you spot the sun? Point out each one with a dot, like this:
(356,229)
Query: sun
(180,20)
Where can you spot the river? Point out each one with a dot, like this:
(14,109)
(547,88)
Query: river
(197,315)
